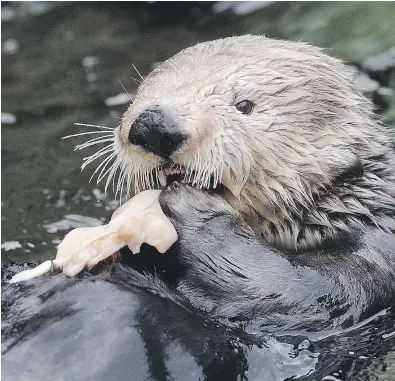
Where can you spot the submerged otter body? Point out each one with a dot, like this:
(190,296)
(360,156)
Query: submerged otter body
(207,309)
(285,227)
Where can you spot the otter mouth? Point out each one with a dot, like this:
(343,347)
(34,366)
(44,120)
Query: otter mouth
(168,175)
(176,173)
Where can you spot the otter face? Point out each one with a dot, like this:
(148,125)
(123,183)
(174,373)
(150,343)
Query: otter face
(232,111)
(275,123)
(189,123)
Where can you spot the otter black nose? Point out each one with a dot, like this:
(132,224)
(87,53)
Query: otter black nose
(156,132)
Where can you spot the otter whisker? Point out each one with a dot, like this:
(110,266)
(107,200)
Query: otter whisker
(201,173)
(134,172)
(204,170)
(152,184)
(207,174)
(121,180)
(150,178)
(156,177)
(87,160)
(142,184)
(136,81)
(220,167)
(146,179)
(188,172)
(114,175)
(140,174)
(103,165)
(113,169)
(100,150)
(124,174)
(84,133)
(107,148)
(197,170)
(118,181)
(134,67)
(131,99)
(141,177)
(105,170)
(95,126)
(190,169)
(136,179)
(128,184)
(99,137)
(93,142)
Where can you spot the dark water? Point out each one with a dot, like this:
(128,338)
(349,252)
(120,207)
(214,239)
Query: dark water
(63,62)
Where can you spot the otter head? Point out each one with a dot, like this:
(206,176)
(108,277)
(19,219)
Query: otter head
(276,126)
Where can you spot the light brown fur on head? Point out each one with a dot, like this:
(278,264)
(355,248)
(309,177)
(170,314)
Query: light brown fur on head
(310,161)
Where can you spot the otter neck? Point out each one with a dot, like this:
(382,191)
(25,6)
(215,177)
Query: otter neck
(353,201)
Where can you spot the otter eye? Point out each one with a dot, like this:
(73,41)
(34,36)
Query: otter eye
(245,107)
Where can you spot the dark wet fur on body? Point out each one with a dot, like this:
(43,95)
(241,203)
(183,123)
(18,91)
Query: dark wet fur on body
(217,294)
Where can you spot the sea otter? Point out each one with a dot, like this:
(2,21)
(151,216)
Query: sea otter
(279,181)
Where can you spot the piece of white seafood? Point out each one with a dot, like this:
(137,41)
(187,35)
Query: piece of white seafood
(139,220)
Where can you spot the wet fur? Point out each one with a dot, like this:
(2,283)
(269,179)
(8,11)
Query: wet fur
(311,161)
(208,306)
(233,273)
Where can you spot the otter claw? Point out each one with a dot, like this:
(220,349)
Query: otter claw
(175,186)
